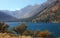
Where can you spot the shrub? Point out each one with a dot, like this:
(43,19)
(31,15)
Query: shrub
(20,29)
(28,33)
(3,27)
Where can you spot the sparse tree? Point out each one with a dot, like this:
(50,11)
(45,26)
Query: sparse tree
(20,29)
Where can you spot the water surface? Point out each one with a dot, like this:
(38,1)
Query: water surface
(52,27)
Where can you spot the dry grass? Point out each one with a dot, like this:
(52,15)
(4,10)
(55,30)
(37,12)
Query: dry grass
(5,35)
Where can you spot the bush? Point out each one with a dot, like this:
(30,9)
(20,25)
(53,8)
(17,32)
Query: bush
(3,27)
(20,29)
(46,34)
(28,33)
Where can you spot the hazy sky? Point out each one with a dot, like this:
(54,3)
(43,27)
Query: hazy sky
(17,4)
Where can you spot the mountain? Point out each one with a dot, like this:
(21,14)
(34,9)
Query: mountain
(6,17)
(33,12)
(50,14)
(25,12)
(39,10)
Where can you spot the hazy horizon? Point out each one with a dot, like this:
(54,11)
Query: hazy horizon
(13,5)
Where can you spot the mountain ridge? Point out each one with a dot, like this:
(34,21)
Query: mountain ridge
(6,17)
(49,15)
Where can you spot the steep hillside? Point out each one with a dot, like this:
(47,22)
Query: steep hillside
(50,14)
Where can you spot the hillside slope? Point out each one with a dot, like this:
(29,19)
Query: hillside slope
(6,17)
(51,14)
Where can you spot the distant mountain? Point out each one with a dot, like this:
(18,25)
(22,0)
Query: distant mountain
(26,12)
(6,17)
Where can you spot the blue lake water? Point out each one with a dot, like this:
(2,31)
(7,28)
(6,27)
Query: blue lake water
(52,27)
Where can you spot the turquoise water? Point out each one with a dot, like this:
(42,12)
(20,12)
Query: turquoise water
(52,27)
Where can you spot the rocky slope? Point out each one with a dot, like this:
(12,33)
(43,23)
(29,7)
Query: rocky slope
(50,14)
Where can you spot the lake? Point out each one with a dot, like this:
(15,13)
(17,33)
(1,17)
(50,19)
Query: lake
(52,27)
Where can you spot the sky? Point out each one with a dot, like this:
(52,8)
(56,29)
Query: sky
(17,4)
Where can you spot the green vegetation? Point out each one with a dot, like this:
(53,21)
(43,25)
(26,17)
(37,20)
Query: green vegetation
(3,27)
(22,30)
